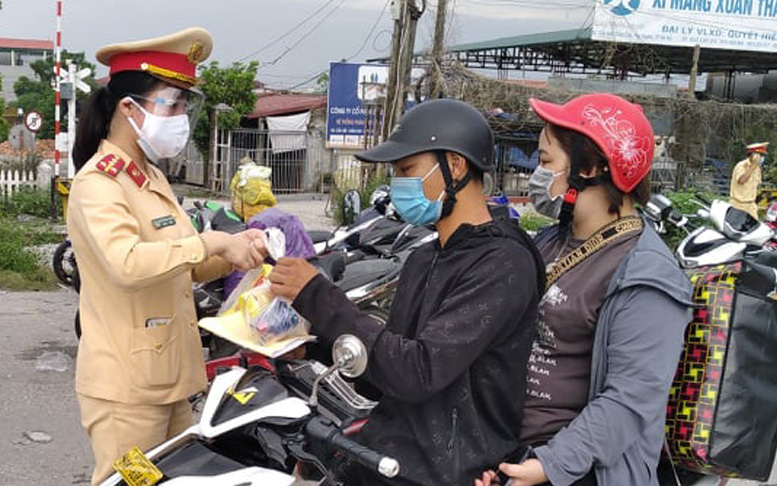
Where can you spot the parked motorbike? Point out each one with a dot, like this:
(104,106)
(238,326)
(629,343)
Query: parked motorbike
(347,237)
(770,219)
(258,424)
(64,265)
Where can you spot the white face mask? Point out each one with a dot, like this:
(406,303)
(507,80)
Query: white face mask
(161,137)
(540,183)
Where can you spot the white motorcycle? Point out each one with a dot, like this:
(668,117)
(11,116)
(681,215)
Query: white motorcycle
(258,424)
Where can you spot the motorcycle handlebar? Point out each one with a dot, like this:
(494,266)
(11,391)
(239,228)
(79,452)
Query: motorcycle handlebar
(325,431)
(703,199)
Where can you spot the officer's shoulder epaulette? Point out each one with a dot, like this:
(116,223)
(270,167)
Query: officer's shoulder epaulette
(111,164)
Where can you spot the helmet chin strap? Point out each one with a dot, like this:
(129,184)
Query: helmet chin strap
(577,184)
(451,187)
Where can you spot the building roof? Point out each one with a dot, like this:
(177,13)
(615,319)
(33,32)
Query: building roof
(539,39)
(271,104)
(6,43)
(574,51)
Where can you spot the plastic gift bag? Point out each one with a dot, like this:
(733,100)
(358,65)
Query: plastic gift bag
(251,189)
(256,319)
(277,320)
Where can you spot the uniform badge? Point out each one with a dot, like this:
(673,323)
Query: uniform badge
(158,321)
(163,221)
(137,175)
(110,164)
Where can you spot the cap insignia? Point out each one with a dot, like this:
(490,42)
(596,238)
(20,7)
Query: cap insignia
(195,53)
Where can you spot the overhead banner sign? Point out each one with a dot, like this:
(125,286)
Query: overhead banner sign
(351,88)
(747,25)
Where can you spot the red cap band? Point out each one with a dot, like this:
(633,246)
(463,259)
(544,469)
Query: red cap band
(140,61)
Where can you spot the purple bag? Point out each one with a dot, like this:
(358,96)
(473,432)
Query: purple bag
(298,242)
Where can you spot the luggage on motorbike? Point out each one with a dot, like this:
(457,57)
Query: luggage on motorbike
(251,189)
(722,410)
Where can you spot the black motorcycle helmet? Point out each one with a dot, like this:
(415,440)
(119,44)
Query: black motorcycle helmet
(440,126)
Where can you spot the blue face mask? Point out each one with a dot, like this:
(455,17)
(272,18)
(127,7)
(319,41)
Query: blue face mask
(407,195)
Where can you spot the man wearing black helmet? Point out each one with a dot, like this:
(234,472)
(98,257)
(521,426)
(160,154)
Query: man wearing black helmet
(460,328)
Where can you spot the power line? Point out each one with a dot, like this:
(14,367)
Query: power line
(530,5)
(364,43)
(288,32)
(289,49)
(372,30)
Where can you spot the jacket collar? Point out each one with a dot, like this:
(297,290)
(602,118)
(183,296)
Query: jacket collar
(144,176)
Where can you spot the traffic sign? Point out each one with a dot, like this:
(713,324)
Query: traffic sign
(33,121)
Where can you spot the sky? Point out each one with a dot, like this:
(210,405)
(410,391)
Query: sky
(292,39)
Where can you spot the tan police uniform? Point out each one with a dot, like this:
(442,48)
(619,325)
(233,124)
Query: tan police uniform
(742,196)
(139,356)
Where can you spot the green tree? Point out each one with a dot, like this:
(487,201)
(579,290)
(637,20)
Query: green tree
(39,94)
(232,86)
(3,124)
(322,83)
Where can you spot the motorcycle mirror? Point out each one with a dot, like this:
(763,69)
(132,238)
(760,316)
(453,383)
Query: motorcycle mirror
(350,360)
(350,356)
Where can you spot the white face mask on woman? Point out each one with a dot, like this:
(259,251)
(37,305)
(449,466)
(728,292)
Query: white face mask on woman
(161,137)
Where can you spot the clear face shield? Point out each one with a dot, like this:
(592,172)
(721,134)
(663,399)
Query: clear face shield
(171,101)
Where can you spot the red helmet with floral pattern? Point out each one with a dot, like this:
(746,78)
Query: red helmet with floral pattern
(618,127)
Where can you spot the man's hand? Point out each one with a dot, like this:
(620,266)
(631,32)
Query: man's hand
(290,276)
(527,473)
(488,478)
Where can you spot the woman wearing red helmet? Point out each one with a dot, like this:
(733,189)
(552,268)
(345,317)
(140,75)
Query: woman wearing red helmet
(611,323)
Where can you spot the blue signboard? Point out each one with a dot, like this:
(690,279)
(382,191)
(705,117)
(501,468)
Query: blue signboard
(350,87)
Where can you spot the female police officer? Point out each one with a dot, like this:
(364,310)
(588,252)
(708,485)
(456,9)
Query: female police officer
(139,356)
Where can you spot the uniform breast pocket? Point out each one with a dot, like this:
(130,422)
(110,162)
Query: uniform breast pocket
(155,352)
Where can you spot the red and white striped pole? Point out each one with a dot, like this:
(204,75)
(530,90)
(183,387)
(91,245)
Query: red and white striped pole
(55,175)
(56,95)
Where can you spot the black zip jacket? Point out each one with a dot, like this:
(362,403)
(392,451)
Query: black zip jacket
(451,361)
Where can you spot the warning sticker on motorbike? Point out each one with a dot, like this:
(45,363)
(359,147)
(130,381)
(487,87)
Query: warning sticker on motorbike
(244,396)
(137,469)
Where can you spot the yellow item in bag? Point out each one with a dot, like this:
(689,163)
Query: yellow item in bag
(251,190)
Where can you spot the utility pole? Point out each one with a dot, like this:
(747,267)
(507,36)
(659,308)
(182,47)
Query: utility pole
(437,48)
(406,15)
(694,71)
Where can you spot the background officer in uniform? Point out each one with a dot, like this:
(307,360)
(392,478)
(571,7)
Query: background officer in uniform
(746,178)
(140,356)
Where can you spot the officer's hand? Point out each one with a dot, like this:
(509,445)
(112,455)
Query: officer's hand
(244,250)
(290,276)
